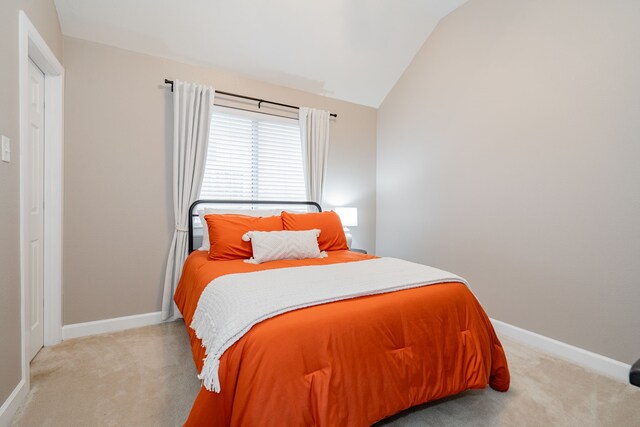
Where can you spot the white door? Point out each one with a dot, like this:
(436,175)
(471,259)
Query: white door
(35,205)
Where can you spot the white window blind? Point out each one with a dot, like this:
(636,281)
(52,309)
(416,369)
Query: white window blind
(253,157)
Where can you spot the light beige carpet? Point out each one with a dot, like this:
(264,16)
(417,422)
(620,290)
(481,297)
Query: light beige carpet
(146,377)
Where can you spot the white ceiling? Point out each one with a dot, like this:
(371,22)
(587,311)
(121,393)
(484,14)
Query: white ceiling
(353,50)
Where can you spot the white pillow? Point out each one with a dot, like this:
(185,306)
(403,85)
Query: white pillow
(247,212)
(274,245)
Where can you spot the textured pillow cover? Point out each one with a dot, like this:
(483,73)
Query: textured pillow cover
(275,245)
(246,212)
(226,231)
(331,237)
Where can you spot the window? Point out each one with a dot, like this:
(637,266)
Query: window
(253,156)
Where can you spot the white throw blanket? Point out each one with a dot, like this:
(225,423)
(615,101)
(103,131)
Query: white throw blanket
(230,305)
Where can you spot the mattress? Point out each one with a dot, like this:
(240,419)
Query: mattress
(351,362)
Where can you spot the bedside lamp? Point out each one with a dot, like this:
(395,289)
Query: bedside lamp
(349,218)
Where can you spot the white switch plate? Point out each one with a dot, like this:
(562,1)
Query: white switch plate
(6,149)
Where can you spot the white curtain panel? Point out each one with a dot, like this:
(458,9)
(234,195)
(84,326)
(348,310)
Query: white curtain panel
(314,131)
(192,110)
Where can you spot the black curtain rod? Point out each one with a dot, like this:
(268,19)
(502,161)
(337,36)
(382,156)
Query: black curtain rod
(250,98)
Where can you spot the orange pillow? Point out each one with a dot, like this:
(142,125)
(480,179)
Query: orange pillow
(331,232)
(226,230)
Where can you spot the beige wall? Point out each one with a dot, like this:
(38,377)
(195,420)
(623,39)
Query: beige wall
(44,17)
(118,208)
(509,153)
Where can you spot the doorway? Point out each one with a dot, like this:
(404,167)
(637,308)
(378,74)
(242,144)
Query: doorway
(41,94)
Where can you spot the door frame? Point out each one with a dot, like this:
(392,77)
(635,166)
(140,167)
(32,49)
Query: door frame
(32,46)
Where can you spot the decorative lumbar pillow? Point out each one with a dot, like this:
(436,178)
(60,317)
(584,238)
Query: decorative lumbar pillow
(246,212)
(332,236)
(226,231)
(275,245)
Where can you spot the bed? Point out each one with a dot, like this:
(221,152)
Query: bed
(350,362)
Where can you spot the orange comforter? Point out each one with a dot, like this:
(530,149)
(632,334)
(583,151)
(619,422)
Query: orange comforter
(347,363)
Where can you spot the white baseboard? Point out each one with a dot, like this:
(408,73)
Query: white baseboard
(77,330)
(577,355)
(13,402)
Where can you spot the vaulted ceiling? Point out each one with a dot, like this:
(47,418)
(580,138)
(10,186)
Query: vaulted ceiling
(354,50)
